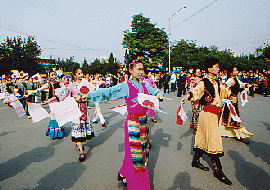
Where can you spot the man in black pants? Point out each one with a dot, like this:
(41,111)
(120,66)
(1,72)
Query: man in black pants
(43,92)
(181,83)
(166,80)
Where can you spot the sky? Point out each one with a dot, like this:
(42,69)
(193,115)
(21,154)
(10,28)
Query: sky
(94,29)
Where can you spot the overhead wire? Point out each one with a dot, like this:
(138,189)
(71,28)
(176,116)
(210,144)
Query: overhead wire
(53,41)
(44,10)
(195,14)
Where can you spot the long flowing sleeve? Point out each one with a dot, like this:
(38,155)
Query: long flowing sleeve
(42,88)
(62,93)
(72,90)
(242,84)
(119,91)
(230,82)
(153,91)
(197,91)
(224,92)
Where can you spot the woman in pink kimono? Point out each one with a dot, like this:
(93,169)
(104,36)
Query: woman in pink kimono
(134,171)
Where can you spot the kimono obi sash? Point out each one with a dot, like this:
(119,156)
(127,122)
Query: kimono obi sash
(134,106)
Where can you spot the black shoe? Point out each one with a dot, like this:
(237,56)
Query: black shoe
(200,166)
(82,157)
(103,125)
(221,177)
(93,134)
(155,121)
(94,122)
(244,140)
(123,179)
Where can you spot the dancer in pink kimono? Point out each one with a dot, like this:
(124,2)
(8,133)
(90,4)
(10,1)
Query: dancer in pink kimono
(134,171)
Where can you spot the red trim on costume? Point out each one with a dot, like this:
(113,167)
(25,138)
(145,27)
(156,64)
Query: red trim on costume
(212,109)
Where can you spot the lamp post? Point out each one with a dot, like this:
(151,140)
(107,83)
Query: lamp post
(170,35)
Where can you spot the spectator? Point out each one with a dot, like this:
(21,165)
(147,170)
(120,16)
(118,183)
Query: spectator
(181,83)
(166,80)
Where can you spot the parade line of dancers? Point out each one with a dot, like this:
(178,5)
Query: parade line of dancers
(210,120)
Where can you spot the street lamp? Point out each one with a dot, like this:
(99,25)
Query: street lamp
(170,34)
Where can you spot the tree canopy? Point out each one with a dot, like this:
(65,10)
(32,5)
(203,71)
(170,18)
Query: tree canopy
(186,54)
(145,41)
(68,65)
(105,66)
(19,54)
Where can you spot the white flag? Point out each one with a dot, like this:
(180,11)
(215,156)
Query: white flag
(84,87)
(65,111)
(244,99)
(150,102)
(36,77)
(37,112)
(16,104)
(234,115)
(30,92)
(2,95)
(181,115)
(120,109)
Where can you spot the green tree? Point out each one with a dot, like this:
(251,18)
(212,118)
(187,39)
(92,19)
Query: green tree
(95,67)
(85,67)
(113,65)
(145,41)
(187,54)
(20,54)
(68,65)
(266,51)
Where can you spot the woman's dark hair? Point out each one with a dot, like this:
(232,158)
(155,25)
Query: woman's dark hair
(210,62)
(133,64)
(230,70)
(62,76)
(75,70)
(51,71)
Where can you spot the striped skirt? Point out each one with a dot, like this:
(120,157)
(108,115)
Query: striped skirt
(135,163)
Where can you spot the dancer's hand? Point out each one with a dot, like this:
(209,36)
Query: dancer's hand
(44,102)
(160,96)
(78,98)
(184,99)
(84,97)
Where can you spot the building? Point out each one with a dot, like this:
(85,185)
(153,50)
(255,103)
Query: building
(48,64)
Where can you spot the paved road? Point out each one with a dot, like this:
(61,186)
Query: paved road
(29,160)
